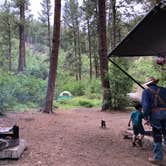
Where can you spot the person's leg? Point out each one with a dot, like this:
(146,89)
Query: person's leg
(139,140)
(135,135)
(157,149)
(142,137)
(164,130)
(164,140)
(134,140)
(141,132)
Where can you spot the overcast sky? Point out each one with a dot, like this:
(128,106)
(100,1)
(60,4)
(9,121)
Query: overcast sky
(36,7)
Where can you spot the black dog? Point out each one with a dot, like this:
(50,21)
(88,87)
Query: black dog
(103,124)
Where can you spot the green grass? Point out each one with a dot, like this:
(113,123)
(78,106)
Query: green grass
(24,107)
(77,102)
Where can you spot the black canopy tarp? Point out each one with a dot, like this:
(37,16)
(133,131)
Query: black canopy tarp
(148,38)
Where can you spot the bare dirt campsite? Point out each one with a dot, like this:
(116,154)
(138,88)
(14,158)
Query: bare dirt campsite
(74,137)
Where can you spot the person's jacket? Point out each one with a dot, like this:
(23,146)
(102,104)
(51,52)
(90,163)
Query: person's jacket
(154,104)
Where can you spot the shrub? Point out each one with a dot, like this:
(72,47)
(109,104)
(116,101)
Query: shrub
(86,103)
(120,86)
(7,89)
(20,89)
(93,88)
(40,73)
(77,88)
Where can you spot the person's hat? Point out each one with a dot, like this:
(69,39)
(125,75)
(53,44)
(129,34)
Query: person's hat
(151,80)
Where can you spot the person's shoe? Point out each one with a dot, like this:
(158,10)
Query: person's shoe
(164,147)
(140,143)
(153,161)
(134,144)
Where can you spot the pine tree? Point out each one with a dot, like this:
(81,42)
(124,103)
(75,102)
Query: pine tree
(45,19)
(53,59)
(72,17)
(7,27)
(21,6)
(103,55)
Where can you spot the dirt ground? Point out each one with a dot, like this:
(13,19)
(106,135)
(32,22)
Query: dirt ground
(75,138)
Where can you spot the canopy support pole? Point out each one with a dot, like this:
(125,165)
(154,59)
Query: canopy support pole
(125,73)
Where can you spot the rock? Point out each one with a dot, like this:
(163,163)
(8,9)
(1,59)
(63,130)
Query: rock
(14,152)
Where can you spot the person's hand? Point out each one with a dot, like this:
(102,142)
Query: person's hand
(147,123)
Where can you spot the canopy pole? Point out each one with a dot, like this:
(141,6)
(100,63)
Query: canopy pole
(125,73)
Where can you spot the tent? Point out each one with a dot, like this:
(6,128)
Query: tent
(148,38)
(65,95)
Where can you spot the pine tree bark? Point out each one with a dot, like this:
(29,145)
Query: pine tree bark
(75,53)
(49,36)
(96,63)
(53,59)
(79,54)
(90,50)
(114,40)
(49,30)
(21,62)
(9,51)
(103,55)
(109,24)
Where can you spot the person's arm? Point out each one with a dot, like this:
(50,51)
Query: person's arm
(146,119)
(146,105)
(129,122)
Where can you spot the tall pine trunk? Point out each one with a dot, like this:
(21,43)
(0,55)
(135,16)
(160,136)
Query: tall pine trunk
(49,34)
(75,54)
(9,51)
(90,50)
(103,55)
(114,40)
(96,65)
(21,62)
(109,24)
(79,54)
(53,59)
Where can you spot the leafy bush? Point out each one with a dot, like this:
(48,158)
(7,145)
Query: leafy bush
(93,88)
(90,88)
(7,89)
(120,85)
(145,67)
(41,73)
(20,89)
(93,95)
(77,88)
(30,89)
(86,103)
